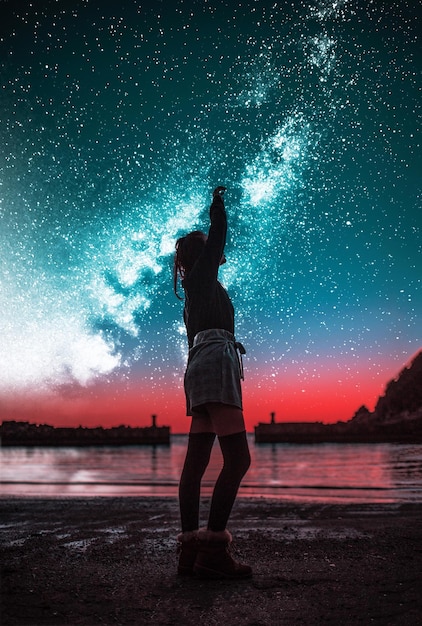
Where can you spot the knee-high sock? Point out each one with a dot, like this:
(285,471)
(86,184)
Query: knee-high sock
(196,462)
(237,460)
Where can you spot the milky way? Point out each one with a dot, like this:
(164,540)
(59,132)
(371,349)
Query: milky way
(117,122)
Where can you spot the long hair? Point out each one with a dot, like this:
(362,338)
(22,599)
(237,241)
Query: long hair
(188,249)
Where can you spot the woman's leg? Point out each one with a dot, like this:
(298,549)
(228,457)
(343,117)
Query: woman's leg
(198,454)
(229,425)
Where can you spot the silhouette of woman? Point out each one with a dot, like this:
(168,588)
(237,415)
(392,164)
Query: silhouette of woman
(213,399)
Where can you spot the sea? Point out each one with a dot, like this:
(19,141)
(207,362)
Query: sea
(320,473)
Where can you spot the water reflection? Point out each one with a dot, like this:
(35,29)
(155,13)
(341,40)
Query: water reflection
(324,472)
(408,469)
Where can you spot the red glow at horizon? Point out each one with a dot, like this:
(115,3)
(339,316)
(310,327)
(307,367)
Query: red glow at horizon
(325,399)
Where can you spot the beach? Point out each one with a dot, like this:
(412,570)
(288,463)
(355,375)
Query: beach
(92,561)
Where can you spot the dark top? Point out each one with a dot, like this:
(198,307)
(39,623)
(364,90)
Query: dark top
(207,304)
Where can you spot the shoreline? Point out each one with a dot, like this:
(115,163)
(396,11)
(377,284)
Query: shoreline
(105,560)
(318,497)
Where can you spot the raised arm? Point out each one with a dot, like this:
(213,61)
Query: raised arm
(214,247)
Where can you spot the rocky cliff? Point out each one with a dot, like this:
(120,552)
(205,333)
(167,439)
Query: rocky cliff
(401,402)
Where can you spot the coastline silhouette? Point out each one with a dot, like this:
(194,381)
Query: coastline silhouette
(397,417)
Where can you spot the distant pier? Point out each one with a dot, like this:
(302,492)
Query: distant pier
(404,430)
(31,435)
(290,432)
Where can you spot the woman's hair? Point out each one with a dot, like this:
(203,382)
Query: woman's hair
(188,249)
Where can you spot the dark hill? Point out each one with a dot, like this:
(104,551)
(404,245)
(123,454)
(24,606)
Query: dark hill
(402,400)
(404,394)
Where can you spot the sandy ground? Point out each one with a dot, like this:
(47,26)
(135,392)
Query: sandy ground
(113,561)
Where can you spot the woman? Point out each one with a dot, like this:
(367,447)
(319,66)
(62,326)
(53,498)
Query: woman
(213,398)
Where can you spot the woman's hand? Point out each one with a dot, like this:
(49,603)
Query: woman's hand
(219,191)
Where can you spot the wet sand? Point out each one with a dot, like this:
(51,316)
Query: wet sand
(113,561)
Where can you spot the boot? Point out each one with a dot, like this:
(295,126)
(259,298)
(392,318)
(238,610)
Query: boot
(188,549)
(214,559)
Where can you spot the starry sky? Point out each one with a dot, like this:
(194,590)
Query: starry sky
(118,120)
